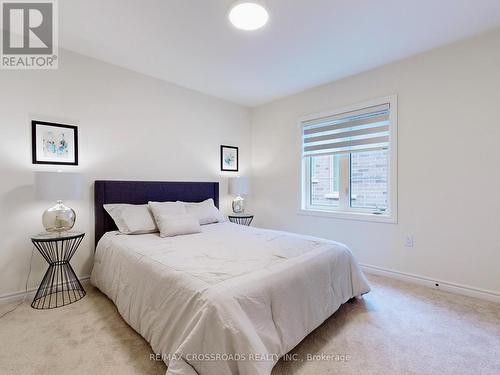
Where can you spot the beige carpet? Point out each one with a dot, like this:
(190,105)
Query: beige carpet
(398,328)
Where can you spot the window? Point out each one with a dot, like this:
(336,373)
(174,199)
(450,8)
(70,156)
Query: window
(349,162)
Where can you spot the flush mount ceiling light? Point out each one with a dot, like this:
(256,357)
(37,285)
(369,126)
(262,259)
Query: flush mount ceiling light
(247,15)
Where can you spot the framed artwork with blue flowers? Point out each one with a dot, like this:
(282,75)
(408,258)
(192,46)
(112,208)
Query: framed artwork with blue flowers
(229,158)
(53,143)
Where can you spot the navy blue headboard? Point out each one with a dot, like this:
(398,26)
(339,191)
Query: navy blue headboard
(141,192)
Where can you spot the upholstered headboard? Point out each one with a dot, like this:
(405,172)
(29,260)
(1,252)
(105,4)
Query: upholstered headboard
(141,192)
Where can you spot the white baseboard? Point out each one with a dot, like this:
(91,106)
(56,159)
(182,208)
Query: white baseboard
(30,294)
(433,283)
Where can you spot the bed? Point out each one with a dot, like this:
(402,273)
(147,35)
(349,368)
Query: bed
(229,300)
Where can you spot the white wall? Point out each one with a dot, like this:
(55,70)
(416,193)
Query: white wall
(130,127)
(449,158)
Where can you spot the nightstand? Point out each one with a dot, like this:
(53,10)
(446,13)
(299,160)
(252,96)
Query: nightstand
(242,219)
(59,286)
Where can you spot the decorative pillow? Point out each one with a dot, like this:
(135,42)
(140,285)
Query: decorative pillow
(131,218)
(205,211)
(176,225)
(170,209)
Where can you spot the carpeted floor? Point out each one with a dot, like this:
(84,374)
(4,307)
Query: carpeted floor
(398,328)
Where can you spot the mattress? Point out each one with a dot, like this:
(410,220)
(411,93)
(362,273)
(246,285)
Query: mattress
(230,300)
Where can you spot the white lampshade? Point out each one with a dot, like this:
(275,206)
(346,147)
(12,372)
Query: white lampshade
(58,186)
(238,186)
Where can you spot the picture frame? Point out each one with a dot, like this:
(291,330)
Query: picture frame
(53,143)
(229,158)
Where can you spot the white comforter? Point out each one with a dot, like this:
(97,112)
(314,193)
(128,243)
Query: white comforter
(230,300)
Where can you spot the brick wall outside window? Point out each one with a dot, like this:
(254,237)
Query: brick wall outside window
(323,185)
(369,176)
(369,171)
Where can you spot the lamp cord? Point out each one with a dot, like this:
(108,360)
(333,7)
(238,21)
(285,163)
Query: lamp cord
(25,287)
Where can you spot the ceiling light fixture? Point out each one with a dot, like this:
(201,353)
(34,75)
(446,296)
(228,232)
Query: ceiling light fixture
(247,15)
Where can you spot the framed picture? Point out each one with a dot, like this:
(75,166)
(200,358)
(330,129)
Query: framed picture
(54,143)
(229,158)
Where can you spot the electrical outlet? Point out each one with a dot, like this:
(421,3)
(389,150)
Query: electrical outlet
(408,241)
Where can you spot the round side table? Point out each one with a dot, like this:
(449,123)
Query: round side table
(241,219)
(60,285)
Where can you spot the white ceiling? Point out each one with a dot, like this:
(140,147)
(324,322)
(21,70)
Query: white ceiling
(306,42)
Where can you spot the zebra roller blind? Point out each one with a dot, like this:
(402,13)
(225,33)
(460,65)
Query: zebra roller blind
(363,130)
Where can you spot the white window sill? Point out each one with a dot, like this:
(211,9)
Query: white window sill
(349,215)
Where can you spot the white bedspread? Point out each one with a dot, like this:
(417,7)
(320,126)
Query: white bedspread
(230,292)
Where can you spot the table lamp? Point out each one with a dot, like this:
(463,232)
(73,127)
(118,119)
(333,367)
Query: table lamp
(238,186)
(58,186)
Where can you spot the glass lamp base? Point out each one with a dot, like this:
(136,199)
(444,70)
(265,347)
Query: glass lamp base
(238,205)
(59,218)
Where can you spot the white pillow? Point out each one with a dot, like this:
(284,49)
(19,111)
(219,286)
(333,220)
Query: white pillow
(131,218)
(166,208)
(205,211)
(175,225)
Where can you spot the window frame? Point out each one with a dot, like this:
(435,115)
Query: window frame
(342,212)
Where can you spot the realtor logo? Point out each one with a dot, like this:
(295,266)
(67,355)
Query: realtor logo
(29,34)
